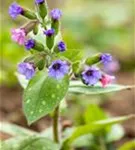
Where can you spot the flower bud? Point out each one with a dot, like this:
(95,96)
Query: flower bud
(60,47)
(40,64)
(42,8)
(15,10)
(93,60)
(49,38)
(55,16)
(33,44)
(35,30)
(29,14)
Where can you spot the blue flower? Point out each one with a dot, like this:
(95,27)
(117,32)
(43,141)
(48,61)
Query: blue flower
(49,32)
(91,76)
(61,46)
(39,1)
(26,69)
(58,69)
(29,44)
(56,14)
(105,58)
(15,10)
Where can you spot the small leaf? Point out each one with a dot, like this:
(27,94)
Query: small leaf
(29,143)
(128,146)
(72,54)
(42,95)
(94,113)
(97,126)
(79,87)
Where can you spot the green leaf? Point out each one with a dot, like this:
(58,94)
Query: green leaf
(97,126)
(72,54)
(79,87)
(15,130)
(94,113)
(29,143)
(128,146)
(42,95)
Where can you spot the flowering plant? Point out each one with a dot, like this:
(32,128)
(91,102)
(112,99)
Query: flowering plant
(50,72)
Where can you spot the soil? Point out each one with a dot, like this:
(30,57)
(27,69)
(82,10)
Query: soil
(123,103)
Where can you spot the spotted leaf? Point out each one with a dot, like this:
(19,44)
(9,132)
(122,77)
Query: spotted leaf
(42,95)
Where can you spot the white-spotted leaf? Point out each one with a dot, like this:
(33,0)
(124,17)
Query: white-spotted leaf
(42,95)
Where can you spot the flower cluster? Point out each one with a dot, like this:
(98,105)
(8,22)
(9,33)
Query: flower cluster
(48,55)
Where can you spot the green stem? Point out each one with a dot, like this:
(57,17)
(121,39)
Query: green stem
(55,125)
(102,143)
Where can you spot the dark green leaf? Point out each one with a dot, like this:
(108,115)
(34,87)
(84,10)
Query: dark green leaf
(42,95)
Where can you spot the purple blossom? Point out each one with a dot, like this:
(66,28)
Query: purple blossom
(49,32)
(29,44)
(91,76)
(26,69)
(58,69)
(112,67)
(15,10)
(39,1)
(56,14)
(61,46)
(106,58)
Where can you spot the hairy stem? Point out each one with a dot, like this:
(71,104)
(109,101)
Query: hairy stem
(55,125)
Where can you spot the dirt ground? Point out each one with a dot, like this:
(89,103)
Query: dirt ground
(123,103)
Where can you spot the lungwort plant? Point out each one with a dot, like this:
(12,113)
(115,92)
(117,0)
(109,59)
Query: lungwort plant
(49,72)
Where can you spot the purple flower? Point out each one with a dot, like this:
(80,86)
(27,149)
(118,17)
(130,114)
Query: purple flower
(106,58)
(18,35)
(112,67)
(49,32)
(91,76)
(39,1)
(61,46)
(56,14)
(58,69)
(15,10)
(29,44)
(26,69)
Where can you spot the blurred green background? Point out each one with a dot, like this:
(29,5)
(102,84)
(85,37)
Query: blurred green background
(92,25)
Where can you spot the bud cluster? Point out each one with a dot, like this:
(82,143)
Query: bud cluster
(45,55)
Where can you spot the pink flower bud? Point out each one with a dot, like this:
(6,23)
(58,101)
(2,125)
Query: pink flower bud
(106,79)
(18,35)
